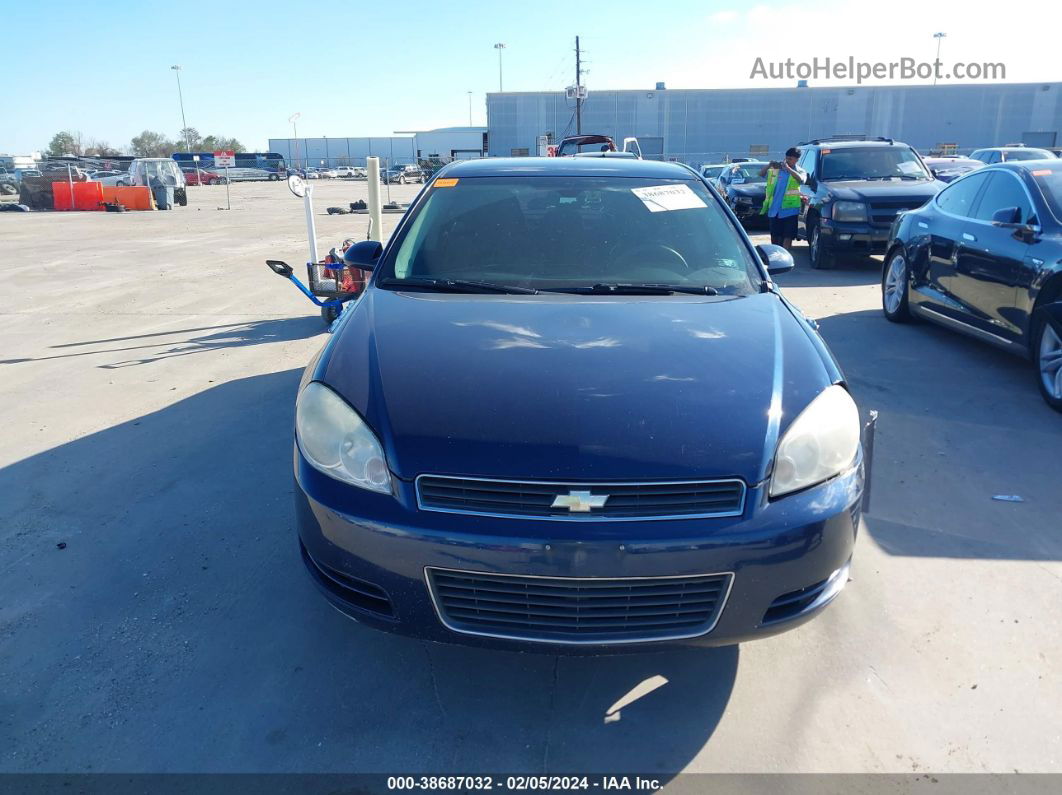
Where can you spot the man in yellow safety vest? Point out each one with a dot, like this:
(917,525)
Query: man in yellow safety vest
(781,204)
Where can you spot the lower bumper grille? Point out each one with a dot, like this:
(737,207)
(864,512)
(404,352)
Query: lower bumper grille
(578,610)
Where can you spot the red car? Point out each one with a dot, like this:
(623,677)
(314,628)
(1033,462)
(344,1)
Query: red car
(202,177)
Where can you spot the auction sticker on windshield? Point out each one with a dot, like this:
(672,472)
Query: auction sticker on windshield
(662,198)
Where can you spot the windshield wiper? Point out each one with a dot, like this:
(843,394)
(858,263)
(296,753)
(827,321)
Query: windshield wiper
(638,289)
(458,285)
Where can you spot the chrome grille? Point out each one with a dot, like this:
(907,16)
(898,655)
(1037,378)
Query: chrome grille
(625,501)
(575,609)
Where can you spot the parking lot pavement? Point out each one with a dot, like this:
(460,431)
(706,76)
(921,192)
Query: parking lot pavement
(147,378)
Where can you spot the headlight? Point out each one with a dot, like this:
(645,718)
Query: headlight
(821,442)
(336,441)
(847,212)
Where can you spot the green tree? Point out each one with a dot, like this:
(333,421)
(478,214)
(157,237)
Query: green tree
(152,144)
(219,143)
(64,143)
(190,138)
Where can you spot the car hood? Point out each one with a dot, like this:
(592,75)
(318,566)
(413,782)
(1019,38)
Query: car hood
(857,190)
(757,190)
(575,387)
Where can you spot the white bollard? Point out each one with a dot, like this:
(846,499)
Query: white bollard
(375,214)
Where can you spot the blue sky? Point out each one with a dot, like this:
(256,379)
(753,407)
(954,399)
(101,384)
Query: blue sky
(369,69)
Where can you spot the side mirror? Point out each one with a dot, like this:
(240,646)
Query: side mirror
(363,255)
(776,258)
(1008,216)
(812,182)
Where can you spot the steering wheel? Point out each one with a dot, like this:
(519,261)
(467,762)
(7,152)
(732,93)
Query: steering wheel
(639,254)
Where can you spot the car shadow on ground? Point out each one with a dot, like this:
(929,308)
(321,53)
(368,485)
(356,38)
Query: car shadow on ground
(947,402)
(150,577)
(156,346)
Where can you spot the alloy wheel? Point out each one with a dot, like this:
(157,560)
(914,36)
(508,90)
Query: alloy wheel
(895,284)
(1051,361)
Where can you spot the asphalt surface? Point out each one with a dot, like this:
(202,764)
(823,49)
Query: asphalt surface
(148,369)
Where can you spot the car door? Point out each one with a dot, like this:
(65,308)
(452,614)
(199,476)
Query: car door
(807,162)
(936,275)
(990,260)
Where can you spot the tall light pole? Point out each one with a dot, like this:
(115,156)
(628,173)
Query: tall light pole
(499,47)
(469,108)
(936,65)
(294,117)
(184,124)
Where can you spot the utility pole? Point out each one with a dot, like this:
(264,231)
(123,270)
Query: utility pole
(294,117)
(936,64)
(499,47)
(578,90)
(184,124)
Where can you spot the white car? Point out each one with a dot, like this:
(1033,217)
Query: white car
(327,173)
(350,171)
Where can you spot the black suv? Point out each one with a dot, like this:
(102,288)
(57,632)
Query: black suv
(855,190)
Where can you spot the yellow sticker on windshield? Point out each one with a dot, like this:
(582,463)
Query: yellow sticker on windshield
(448,182)
(1043,173)
(825,151)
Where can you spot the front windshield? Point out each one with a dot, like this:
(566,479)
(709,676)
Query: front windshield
(563,232)
(711,172)
(1049,180)
(1027,154)
(749,173)
(878,162)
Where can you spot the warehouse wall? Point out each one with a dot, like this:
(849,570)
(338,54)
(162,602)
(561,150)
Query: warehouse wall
(706,125)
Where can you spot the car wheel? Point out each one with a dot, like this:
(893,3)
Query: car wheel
(1047,355)
(401,180)
(274,178)
(894,281)
(820,258)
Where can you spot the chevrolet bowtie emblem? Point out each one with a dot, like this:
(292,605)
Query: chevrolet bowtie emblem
(579,501)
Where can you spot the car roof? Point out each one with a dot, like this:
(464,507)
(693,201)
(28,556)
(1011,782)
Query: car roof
(853,144)
(568,166)
(1011,148)
(1026,165)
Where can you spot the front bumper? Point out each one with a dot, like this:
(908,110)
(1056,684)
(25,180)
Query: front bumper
(836,236)
(368,554)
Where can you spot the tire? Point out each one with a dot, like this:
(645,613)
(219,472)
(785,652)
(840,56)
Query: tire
(274,178)
(329,314)
(895,279)
(820,258)
(401,180)
(7,189)
(1047,359)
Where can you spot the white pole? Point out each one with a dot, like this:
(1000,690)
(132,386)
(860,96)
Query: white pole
(311,228)
(228,203)
(70,185)
(375,216)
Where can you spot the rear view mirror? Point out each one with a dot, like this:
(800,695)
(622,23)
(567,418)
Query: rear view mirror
(1008,216)
(776,258)
(363,255)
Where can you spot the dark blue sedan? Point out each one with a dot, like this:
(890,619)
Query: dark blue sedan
(985,258)
(572,410)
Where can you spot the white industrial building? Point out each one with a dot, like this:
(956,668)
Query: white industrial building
(446,143)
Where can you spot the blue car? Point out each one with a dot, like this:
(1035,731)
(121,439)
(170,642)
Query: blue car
(572,411)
